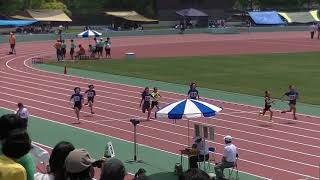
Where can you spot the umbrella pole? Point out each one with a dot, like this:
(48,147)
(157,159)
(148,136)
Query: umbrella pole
(188,134)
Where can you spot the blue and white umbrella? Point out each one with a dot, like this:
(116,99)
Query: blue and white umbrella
(89,33)
(188,108)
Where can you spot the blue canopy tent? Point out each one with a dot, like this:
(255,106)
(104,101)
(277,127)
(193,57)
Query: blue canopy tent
(16,23)
(266,18)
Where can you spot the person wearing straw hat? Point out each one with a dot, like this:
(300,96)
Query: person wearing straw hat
(229,158)
(79,165)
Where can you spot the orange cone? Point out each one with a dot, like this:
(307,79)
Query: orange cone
(65,70)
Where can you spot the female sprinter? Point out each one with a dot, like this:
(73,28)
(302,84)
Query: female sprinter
(155,98)
(267,105)
(193,92)
(90,96)
(146,99)
(292,95)
(77,100)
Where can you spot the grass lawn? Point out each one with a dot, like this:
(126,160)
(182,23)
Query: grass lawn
(246,74)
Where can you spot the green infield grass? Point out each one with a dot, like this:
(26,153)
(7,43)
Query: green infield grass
(245,74)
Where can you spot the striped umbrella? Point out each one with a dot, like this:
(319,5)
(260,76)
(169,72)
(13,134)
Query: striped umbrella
(89,33)
(188,108)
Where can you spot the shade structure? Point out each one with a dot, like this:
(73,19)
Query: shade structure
(130,16)
(191,12)
(188,108)
(89,33)
(17,23)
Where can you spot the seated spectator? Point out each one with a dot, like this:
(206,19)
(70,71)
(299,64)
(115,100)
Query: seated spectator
(201,152)
(229,157)
(194,174)
(113,169)
(16,145)
(56,169)
(92,50)
(8,123)
(80,166)
(81,51)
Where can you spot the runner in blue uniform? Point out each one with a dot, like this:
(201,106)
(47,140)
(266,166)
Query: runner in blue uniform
(77,101)
(292,95)
(90,96)
(193,92)
(146,100)
(267,105)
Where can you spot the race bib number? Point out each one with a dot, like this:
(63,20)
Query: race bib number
(292,97)
(76,98)
(90,94)
(193,94)
(147,98)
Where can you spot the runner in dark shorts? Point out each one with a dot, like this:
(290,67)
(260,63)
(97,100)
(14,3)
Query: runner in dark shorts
(90,96)
(292,95)
(267,105)
(155,98)
(77,100)
(146,100)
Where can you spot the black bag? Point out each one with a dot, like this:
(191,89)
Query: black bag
(178,169)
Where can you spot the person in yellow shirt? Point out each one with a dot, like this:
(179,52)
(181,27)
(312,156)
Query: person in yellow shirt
(9,169)
(16,145)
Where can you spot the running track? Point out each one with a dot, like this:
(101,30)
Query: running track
(283,151)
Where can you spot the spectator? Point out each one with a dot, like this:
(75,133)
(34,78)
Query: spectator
(228,159)
(8,123)
(79,165)
(57,46)
(16,145)
(23,113)
(113,169)
(194,174)
(108,47)
(313,29)
(11,122)
(202,153)
(81,51)
(57,159)
(12,41)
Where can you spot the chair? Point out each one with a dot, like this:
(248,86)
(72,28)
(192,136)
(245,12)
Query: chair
(211,159)
(234,169)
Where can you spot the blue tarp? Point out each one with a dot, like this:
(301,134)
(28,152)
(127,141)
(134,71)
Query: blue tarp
(266,18)
(17,23)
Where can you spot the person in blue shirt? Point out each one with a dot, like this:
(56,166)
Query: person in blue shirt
(90,96)
(193,92)
(146,100)
(292,95)
(77,101)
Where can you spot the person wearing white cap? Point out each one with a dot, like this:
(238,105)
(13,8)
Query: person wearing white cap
(229,157)
(23,113)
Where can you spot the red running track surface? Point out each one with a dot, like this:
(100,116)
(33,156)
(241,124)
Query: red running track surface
(281,151)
